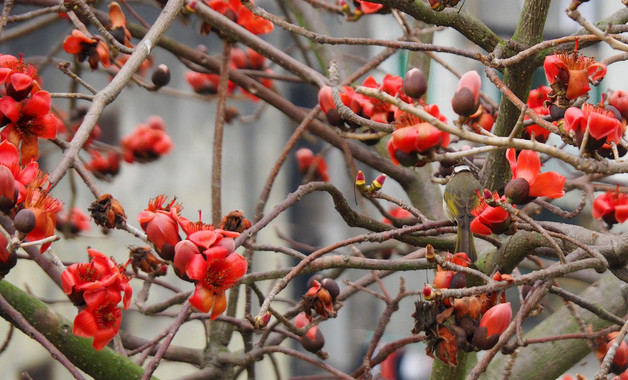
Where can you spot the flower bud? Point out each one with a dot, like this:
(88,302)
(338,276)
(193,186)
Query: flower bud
(313,344)
(7,259)
(161,76)
(517,190)
(332,287)
(466,100)
(262,322)
(428,293)
(414,83)
(24,221)
(8,190)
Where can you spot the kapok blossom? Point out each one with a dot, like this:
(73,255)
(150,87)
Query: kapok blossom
(306,159)
(87,280)
(161,225)
(78,221)
(619,100)
(527,166)
(488,219)
(235,11)
(601,123)
(93,49)
(118,24)
(611,206)
(367,7)
(147,142)
(414,135)
(466,100)
(104,166)
(215,272)
(44,208)
(570,73)
(10,158)
(99,284)
(18,77)
(28,121)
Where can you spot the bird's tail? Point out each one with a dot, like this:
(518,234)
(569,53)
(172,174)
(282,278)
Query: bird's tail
(464,240)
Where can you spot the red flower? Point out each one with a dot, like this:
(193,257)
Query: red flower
(148,141)
(538,96)
(118,24)
(488,219)
(28,122)
(527,166)
(93,49)
(19,78)
(235,11)
(44,208)
(161,225)
(77,222)
(602,124)
(88,280)
(101,322)
(611,206)
(10,158)
(215,274)
(569,73)
(414,135)
(104,166)
(306,158)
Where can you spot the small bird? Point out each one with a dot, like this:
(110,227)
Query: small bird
(459,199)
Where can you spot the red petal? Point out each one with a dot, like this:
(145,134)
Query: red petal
(596,71)
(511,156)
(621,213)
(196,268)
(39,104)
(528,165)
(10,108)
(578,84)
(601,206)
(8,154)
(497,319)
(220,305)
(548,184)
(85,324)
(202,299)
(478,228)
(575,119)
(184,251)
(552,66)
(602,126)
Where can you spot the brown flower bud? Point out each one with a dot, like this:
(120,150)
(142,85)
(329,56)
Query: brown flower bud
(24,221)
(517,190)
(331,286)
(161,76)
(313,345)
(414,83)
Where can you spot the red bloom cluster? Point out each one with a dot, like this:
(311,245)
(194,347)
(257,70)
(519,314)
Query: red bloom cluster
(414,136)
(99,285)
(206,256)
(569,74)
(238,13)
(207,83)
(612,207)
(306,159)
(25,109)
(468,323)
(148,142)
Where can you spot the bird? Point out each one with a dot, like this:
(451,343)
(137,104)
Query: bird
(459,200)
